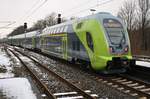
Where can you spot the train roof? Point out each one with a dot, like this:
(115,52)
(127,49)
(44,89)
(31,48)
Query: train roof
(67,26)
(27,35)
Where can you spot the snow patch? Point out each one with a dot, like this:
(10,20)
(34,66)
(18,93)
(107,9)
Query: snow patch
(25,58)
(6,75)
(17,88)
(4,60)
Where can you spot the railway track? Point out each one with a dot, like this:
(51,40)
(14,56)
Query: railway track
(72,92)
(126,84)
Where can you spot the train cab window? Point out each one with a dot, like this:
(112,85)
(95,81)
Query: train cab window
(115,31)
(89,41)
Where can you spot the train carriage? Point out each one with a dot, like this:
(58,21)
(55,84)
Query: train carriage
(27,40)
(53,41)
(100,40)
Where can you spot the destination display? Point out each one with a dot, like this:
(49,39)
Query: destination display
(111,23)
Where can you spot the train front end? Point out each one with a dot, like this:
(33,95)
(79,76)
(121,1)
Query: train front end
(118,45)
(106,41)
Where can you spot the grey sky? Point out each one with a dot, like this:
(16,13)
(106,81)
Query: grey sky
(20,11)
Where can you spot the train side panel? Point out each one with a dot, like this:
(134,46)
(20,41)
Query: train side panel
(55,45)
(76,50)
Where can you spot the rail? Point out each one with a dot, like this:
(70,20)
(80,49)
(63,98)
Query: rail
(80,91)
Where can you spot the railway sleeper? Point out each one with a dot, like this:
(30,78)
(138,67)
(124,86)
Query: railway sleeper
(72,95)
(139,87)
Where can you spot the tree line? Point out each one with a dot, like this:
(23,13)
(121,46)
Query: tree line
(49,20)
(136,15)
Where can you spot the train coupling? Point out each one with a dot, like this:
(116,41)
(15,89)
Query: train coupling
(120,63)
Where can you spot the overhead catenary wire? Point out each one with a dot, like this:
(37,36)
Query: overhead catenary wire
(7,27)
(8,24)
(87,9)
(20,19)
(33,7)
(5,21)
(37,8)
(77,6)
(30,9)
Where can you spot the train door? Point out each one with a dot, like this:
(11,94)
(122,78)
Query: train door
(33,42)
(64,46)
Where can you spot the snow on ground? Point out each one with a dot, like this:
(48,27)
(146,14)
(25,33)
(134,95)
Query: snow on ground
(16,88)
(5,64)
(142,63)
(6,75)
(25,58)
(3,59)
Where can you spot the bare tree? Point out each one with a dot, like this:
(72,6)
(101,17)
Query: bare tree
(18,30)
(144,20)
(40,24)
(51,19)
(127,14)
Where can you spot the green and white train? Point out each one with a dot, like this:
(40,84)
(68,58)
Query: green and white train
(100,40)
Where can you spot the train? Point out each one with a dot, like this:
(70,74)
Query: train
(100,41)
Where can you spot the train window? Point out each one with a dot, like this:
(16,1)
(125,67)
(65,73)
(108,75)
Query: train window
(49,30)
(114,31)
(70,29)
(89,41)
(46,30)
(74,45)
(78,46)
(65,28)
(54,30)
(58,30)
(61,29)
(79,25)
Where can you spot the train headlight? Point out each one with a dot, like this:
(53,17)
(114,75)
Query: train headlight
(126,49)
(111,49)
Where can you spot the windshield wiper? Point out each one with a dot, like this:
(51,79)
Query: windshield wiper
(123,38)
